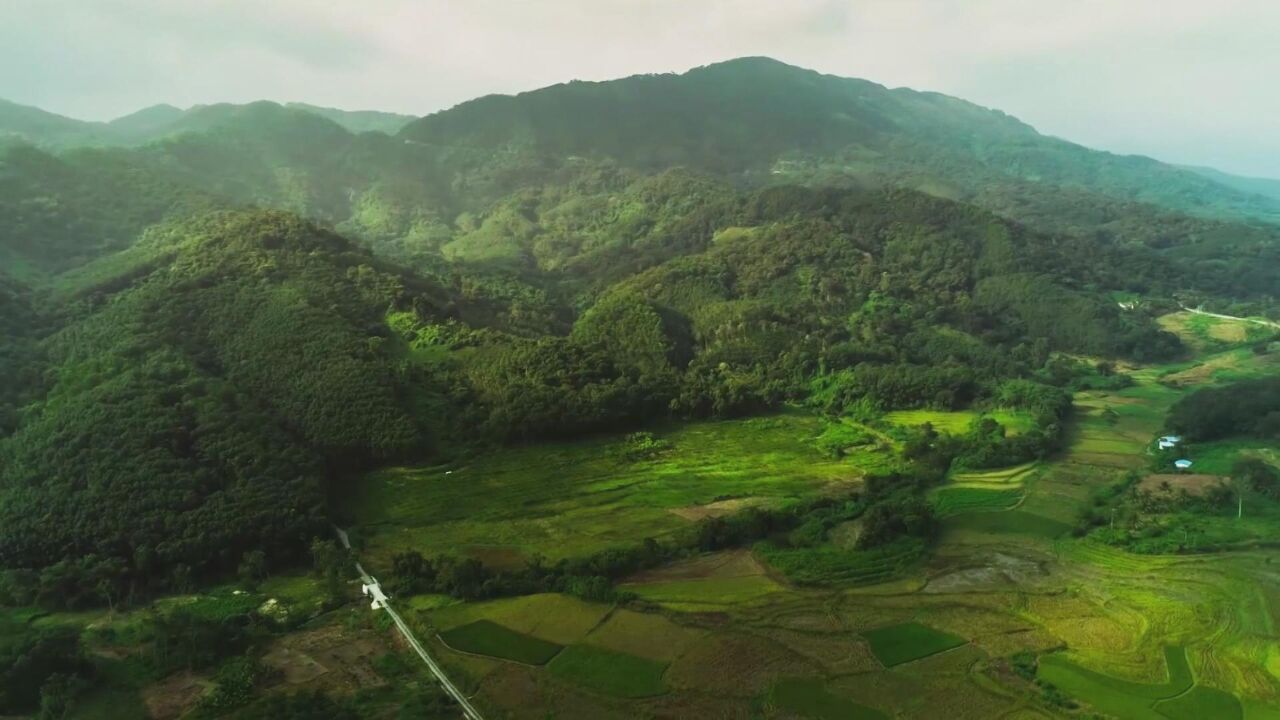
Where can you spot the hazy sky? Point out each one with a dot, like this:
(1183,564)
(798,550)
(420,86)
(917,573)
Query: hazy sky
(1191,81)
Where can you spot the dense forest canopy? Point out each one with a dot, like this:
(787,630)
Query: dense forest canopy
(210,331)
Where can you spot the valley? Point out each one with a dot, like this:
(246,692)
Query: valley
(744,392)
(1003,585)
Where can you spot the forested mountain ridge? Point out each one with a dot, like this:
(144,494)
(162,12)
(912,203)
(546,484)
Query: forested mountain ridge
(197,411)
(23,123)
(222,324)
(768,120)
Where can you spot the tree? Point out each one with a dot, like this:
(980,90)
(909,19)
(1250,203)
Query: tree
(253,568)
(1258,476)
(329,563)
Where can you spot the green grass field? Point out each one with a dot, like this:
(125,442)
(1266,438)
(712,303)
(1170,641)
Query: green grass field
(958,421)
(1200,703)
(1122,698)
(609,672)
(898,644)
(483,637)
(1006,523)
(573,499)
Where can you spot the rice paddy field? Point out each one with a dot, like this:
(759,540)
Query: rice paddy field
(1007,616)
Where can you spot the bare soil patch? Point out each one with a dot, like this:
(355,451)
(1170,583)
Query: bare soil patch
(719,508)
(1194,484)
(175,695)
(737,665)
(339,659)
(721,565)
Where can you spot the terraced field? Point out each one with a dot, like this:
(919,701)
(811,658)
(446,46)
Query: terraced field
(576,498)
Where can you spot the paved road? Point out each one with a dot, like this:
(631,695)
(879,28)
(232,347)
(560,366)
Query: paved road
(468,711)
(1255,321)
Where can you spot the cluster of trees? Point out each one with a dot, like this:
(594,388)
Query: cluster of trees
(41,671)
(1249,407)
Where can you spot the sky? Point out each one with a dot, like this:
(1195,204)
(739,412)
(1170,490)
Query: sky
(1187,81)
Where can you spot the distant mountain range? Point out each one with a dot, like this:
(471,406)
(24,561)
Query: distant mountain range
(1266,187)
(46,129)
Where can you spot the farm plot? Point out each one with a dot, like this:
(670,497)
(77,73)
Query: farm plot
(484,637)
(808,698)
(609,672)
(556,618)
(898,644)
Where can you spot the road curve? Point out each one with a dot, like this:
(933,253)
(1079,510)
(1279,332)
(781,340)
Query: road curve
(468,710)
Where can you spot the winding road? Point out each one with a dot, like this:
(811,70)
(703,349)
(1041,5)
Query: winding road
(1255,321)
(468,710)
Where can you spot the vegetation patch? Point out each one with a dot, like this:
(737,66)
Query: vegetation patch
(484,637)
(609,672)
(898,644)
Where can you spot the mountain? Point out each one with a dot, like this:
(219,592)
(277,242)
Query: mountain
(1267,187)
(232,372)
(145,124)
(359,121)
(769,122)
(36,126)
